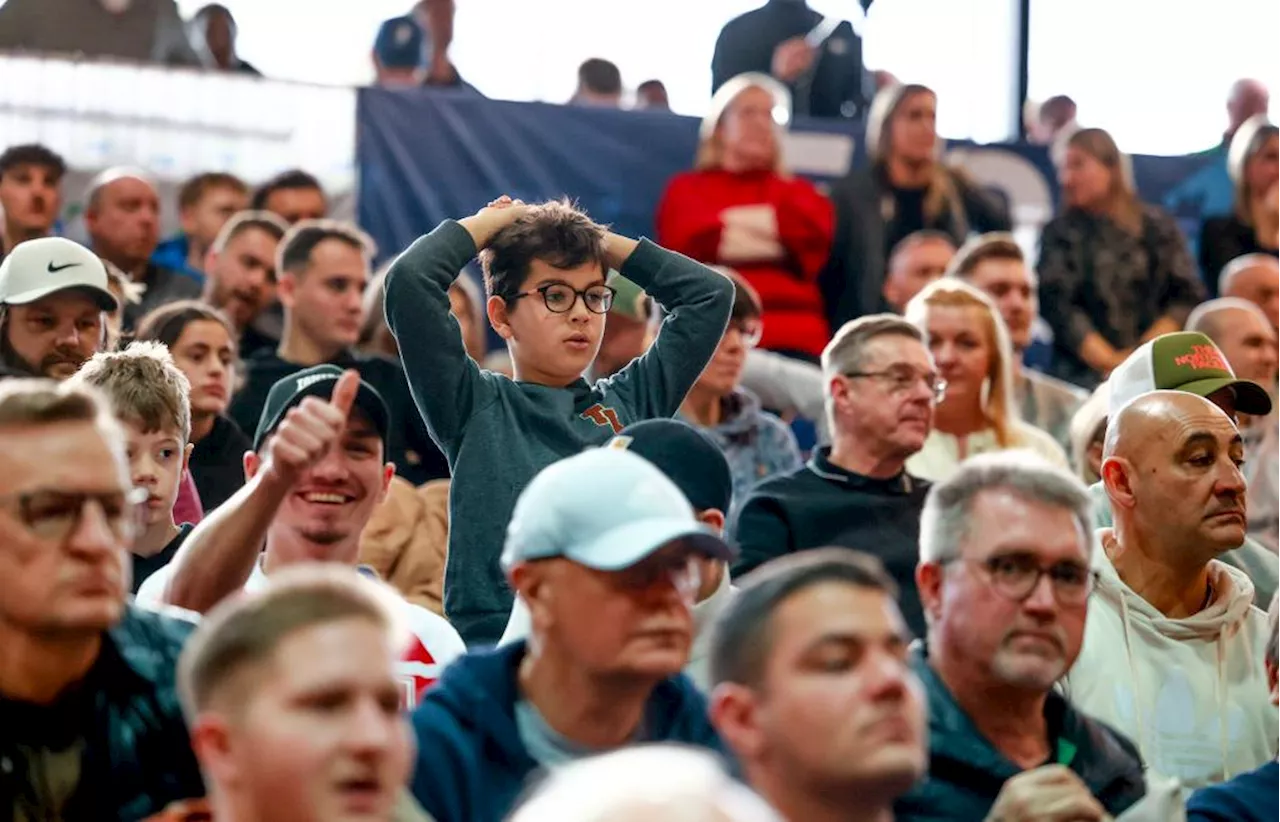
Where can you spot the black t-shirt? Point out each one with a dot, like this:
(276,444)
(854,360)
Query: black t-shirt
(217,463)
(908,217)
(144,567)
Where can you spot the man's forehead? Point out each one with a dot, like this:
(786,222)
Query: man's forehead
(69,301)
(888,349)
(65,455)
(836,610)
(1002,520)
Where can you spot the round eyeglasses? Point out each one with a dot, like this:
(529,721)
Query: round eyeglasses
(560,298)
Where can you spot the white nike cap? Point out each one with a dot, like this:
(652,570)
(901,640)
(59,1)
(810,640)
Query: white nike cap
(40,267)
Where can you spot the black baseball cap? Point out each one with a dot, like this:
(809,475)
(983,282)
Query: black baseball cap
(689,458)
(318,381)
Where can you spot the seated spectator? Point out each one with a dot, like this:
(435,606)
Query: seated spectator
(651,95)
(672,782)
(1247,796)
(294,195)
(698,468)
(203,347)
(323,271)
(249,679)
(205,203)
(610,590)
(1002,741)
(1256,278)
(315,476)
(1189,361)
(599,85)
(856,493)
(545,269)
(149,397)
(994,263)
(54,299)
(212,32)
(1253,226)
(122,215)
(1054,118)
(140,32)
(976,414)
(813,691)
(757,444)
(92,726)
(30,193)
(1088,433)
(1167,613)
(905,188)
(1114,272)
(240,276)
(1245,337)
(742,208)
(399,53)
(917,260)
(628,331)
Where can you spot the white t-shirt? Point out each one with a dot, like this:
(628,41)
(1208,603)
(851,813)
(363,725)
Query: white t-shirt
(434,643)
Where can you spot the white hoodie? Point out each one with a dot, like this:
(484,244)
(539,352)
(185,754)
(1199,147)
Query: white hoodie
(1191,693)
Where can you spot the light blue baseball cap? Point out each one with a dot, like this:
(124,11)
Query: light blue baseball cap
(605,509)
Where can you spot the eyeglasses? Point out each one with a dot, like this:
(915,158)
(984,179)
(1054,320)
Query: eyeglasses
(749,331)
(1016,577)
(902,379)
(560,298)
(55,515)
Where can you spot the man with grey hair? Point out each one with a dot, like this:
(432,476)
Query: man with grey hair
(122,215)
(1005,547)
(1169,655)
(881,388)
(1256,278)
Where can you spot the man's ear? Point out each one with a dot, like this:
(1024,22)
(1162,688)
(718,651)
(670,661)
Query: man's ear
(929,585)
(212,744)
(713,518)
(1117,478)
(252,464)
(286,288)
(388,474)
(186,456)
(187,219)
(735,713)
(497,310)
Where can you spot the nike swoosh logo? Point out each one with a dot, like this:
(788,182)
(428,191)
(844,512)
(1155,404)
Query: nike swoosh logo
(54,269)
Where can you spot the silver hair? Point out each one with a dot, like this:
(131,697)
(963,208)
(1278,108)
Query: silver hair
(1243,263)
(668,782)
(1203,319)
(944,523)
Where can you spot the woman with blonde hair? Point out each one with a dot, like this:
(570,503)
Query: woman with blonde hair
(1114,271)
(971,350)
(906,188)
(741,208)
(1253,227)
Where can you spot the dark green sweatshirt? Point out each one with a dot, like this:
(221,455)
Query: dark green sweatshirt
(498,433)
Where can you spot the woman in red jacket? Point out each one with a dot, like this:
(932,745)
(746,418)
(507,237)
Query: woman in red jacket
(741,208)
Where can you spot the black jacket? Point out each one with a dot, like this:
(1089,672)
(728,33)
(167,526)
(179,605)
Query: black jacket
(217,463)
(137,756)
(1222,239)
(966,772)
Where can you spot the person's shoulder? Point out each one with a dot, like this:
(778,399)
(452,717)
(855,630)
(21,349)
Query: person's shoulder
(1043,382)
(1240,798)
(1160,222)
(150,641)
(785,485)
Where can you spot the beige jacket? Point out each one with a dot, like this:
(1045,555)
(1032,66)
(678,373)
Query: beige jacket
(406,539)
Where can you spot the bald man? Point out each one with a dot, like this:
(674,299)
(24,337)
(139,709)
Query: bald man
(1255,278)
(1172,641)
(1246,98)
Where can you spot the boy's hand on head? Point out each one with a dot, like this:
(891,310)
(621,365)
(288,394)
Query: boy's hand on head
(491,219)
(309,430)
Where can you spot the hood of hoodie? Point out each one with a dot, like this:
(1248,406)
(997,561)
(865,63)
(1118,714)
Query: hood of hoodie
(740,415)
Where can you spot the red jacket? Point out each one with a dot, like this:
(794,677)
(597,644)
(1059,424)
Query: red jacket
(690,221)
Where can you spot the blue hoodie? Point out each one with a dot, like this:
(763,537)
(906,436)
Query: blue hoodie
(472,764)
(1250,797)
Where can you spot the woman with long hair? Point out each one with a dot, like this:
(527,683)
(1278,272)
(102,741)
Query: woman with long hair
(971,350)
(1253,226)
(906,188)
(1114,271)
(740,207)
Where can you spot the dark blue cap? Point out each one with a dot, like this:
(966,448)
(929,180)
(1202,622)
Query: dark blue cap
(400,44)
(689,458)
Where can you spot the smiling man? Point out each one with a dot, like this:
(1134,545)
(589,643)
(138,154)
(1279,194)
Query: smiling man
(1169,618)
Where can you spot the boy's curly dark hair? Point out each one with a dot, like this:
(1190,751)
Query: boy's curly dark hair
(555,232)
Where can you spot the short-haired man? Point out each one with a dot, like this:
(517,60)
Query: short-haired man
(240,275)
(994,263)
(295,195)
(546,269)
(610,590)
(324,267)
(1246,797)
(1245,337)
(651,95)
(917,260)
(1169,655)
(813,690)
(30,193)
(881,389)
(599,85)
(151,399)
(1054,117)
(293,703)
(92,725)
(122,215)
(1256,278)
(205,203)
(54,299)
(315,477)
(1005,549)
